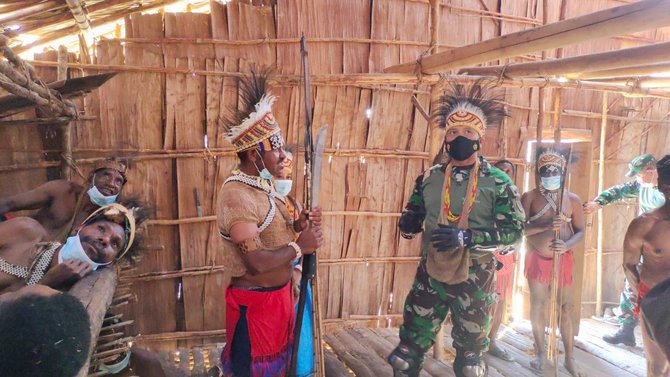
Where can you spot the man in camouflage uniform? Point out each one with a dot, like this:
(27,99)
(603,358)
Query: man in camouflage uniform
(645,189)
(457,268)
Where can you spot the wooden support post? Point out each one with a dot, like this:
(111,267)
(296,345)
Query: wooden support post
(435,10)
(540,118)
(600,240)
(558,94)
(629,18)
(95,292)
(66,157)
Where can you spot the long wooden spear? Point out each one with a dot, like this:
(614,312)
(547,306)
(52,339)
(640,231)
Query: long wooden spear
(554,318)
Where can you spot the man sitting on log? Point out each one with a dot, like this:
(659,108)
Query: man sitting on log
(466,208)
(644,188)
(646,261)
(27,258)
(61,204)
(544,219)
(43,333)
(258,241)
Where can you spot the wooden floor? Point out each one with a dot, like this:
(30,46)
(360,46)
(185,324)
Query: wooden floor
(362,352)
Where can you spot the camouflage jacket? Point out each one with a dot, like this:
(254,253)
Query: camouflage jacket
(503,222)
(649,198)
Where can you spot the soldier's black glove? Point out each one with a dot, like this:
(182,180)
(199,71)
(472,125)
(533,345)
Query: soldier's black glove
(447,237)
(411,223)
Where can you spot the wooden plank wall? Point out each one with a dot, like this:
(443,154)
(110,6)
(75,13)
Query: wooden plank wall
(146,114)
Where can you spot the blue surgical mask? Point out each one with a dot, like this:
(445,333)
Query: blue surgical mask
(283,186)
(74,250)
(265,173)
(551,183)
(98,198)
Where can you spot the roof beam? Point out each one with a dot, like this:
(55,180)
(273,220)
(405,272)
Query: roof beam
(631,18)
(79,16)
(630,57)
(28,11)
(638,70)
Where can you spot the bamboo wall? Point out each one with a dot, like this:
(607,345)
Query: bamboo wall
(160,118)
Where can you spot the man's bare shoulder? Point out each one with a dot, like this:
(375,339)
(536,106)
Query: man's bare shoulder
(62,186)
(574,198)
(643,222)
(24,228)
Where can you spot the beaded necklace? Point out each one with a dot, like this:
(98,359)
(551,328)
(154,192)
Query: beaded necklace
(473,193)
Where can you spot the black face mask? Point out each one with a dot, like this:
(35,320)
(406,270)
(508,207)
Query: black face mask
(461,148)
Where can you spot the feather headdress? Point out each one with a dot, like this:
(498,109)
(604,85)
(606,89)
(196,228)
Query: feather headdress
(252,123)
(475,106)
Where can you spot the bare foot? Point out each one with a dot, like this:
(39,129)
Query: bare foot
(571,367)
(500,353)
(539,363)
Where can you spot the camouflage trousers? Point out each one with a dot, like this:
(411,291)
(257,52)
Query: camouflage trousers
(627,316)
(471,304)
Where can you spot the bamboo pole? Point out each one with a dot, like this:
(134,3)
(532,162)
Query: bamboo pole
(383,78)
(631,18)
(557,116)
(216,269)
(79,15)
(629,57)
(601,179)
(435,11)
(180,335)
(54,35)
(624,72)
(641,81)
(276,41)
(16,15)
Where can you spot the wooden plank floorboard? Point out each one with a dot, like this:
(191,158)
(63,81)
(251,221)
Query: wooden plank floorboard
(364,352)
(593,365)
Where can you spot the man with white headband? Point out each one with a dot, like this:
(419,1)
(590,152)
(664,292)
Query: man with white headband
(61,204)
(27,258)
(544,219)
(466,208)
(259,240)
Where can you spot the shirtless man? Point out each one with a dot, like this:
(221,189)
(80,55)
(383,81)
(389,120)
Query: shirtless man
(647,242)
(26,259)
(58,201)
(540,207)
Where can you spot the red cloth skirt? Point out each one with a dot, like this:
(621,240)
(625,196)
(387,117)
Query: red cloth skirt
(642,290)
(505,276)
(539,268)
(270,320)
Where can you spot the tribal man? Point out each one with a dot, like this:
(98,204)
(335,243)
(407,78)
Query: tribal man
(259,242)
(26,258)
(644,188)
(544,219)
(646,262)
(466,208)
(61,203)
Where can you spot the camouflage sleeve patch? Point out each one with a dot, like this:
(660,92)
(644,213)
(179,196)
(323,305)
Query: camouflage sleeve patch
(509,215)
(617,193)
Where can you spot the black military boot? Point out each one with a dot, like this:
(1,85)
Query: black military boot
(625,335)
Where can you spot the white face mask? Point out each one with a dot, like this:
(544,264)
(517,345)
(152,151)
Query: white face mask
(283,186)
(551,183)
(74,250)
(98,198)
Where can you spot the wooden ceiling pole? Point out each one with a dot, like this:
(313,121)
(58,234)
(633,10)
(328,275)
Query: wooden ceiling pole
(31,10)
(630,18)
(72,30)
(639,70)
(630,57)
